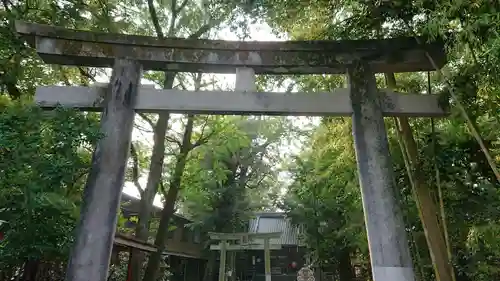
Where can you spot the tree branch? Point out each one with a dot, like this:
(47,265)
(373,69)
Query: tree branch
(181,84)
(186,144)
(149,121)
(154,19)
(182,6)
(86,74)
(197,81)
(143,129)
(171,139)
(6,5)
(163,190)
(173,17)
(204,28)
(258,182)
(203,139)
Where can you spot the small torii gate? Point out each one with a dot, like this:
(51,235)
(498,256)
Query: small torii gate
(245,240)
(130,54)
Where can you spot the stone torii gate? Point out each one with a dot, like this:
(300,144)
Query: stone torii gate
(129,55)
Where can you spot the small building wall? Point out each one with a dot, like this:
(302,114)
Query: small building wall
(183,241)
(250,264)
(186,269)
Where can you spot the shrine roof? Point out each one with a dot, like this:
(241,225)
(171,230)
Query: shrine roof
(275,222)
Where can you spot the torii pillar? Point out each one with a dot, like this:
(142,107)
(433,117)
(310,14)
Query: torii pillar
(91,253)
(387,239)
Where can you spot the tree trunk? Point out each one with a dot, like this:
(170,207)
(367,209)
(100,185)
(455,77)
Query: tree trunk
(208,275)
(428,210)
(30,270)
(154,178)
(169,205)
(346,270)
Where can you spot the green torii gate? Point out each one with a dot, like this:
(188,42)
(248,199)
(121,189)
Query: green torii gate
(245,240)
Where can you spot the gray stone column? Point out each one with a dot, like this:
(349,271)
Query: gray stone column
(91,253)
(387,239)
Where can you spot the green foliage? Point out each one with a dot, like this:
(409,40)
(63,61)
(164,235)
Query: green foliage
(44,157)
(324,196)
(470,190)
(232,175)
(21,70)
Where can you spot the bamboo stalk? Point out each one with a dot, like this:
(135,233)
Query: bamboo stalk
(441,200)
(470,124)
(428,210)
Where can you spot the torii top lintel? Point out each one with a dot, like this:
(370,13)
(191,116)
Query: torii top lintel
(57,45)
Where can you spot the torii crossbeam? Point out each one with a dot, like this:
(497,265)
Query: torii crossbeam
(130,54)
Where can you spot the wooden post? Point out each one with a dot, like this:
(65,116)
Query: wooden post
(222,264)
(90,255)
(267,259)
(232,265)
(129,265)
(387,240)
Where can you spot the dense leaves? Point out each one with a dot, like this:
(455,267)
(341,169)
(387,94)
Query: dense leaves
(44,157)
(325,197)
(234,174)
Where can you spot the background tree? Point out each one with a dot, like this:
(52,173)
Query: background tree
(233,175)
(41,182)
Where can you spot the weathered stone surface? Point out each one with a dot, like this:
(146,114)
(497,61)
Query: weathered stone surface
(387,240)
(245,80)
(70,47)
(101,197)
(336,103)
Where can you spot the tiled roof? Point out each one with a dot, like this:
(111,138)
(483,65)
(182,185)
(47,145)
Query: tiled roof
(275,222)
